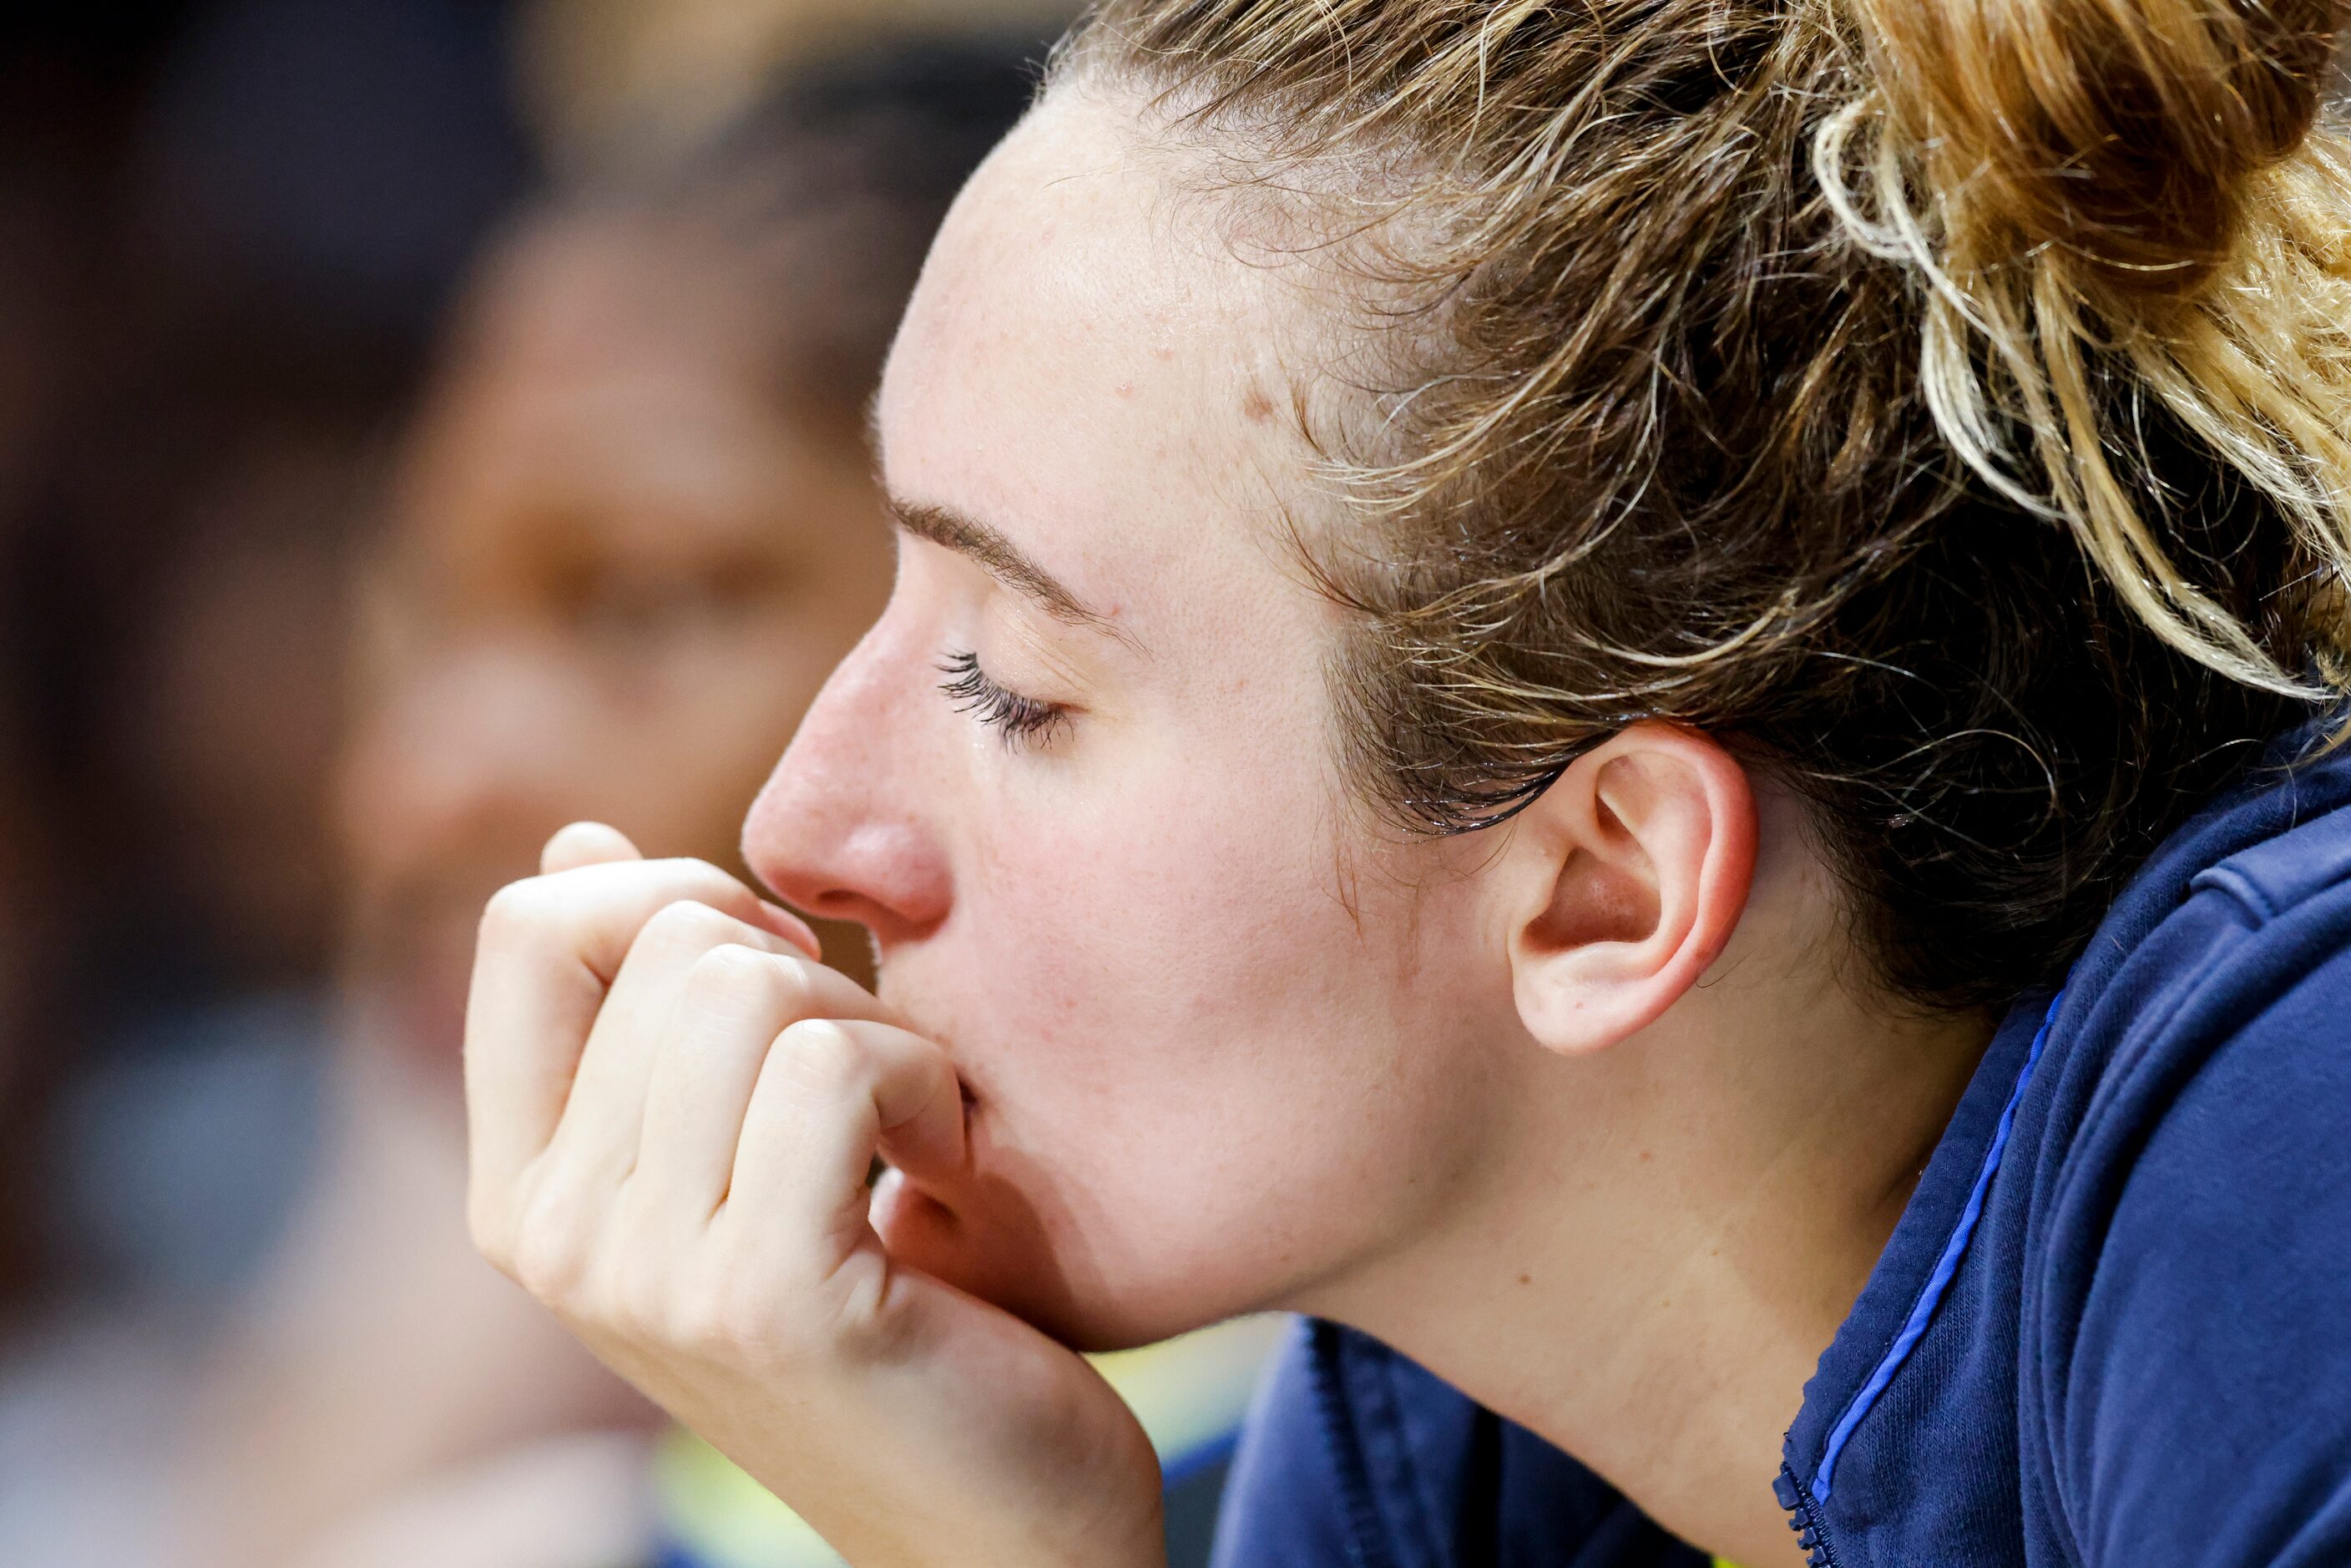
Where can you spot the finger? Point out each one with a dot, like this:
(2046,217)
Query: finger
(549,948)
(585,843)
(594,843)
(791,929)
(829,1094)
(733,1007)
(597,1142)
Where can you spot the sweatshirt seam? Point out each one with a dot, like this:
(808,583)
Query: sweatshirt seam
(1365,1546)
(2239,889)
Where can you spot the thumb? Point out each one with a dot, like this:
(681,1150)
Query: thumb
(585,843)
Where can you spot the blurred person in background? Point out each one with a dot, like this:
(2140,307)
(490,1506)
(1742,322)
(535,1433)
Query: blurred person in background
(226,333)
(226,231)
(640,481)
(630,533)
(630,83)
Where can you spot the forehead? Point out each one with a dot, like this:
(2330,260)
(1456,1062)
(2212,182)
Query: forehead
(1083,350)
(1076,236)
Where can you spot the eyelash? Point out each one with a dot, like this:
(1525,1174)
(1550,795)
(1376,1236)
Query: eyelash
(1018,720)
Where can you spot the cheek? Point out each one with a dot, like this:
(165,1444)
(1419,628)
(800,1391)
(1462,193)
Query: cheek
(1198,1067)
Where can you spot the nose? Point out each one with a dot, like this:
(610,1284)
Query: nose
(846,828)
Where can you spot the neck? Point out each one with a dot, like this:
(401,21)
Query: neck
(1670,1234)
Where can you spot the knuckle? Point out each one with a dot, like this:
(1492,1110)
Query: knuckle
(820,1058)
(517,911)
(686,926)
(729,969)
(550,1248)
(493,1238)
(783,985)
(731,985)
(548,1266)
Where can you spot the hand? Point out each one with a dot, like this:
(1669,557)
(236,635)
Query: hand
(673,1111)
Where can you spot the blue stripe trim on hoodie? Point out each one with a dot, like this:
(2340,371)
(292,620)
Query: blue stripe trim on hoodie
(1922,1312)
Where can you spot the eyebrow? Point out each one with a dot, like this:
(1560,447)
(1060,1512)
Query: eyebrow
(999,558)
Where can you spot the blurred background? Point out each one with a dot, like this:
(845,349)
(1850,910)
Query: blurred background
(422,423)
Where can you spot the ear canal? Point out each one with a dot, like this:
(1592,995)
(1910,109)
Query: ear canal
(1594,900)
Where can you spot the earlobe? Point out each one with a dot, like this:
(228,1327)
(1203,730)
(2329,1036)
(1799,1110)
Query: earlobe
(1631,872)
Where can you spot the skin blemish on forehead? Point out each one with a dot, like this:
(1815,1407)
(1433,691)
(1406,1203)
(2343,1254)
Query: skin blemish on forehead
(1254,406)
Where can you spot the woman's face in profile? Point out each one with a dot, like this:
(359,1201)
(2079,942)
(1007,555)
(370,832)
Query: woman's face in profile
(1223,1038)
(616,571)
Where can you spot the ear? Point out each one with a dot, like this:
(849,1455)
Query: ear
(1630,873)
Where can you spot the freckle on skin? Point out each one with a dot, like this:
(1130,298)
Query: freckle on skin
(1256,406)
(1644,1156)
(1526,1279)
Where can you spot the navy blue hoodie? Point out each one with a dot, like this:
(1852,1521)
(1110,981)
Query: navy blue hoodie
(2111,1328)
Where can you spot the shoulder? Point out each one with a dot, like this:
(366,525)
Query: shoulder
(2232,1011)
(2188,1309)
(2224,954)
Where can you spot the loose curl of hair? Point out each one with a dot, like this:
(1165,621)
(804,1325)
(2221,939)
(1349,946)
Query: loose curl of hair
(1945,403)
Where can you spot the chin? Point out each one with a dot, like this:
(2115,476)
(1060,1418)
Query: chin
(992,1244)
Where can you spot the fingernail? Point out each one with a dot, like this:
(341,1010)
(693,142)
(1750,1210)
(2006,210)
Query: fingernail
(792,929)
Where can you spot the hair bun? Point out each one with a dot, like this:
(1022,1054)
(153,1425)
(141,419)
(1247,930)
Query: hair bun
(2122,133)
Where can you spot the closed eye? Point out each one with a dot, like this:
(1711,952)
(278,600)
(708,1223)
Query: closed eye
(1018,720)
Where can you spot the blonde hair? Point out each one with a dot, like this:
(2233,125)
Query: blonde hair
(2078,180)
(1948,402)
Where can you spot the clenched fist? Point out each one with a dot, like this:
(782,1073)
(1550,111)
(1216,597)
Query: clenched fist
(675,1109)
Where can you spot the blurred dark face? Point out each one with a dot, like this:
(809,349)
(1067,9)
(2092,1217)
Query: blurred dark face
(616,573)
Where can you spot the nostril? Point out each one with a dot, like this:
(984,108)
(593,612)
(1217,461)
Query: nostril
(829,840)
